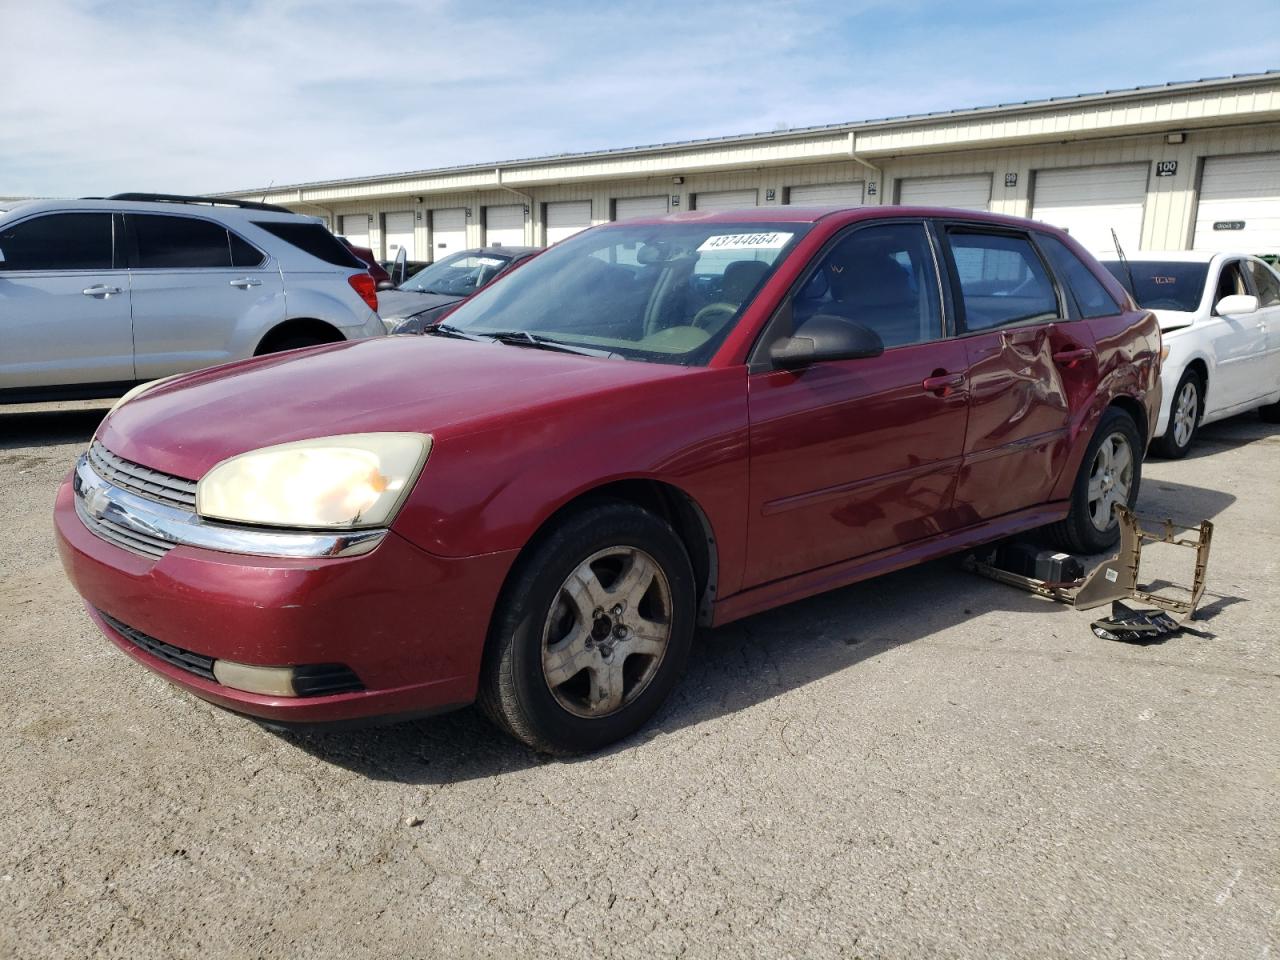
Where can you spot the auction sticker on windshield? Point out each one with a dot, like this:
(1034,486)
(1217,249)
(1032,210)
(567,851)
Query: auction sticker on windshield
(746,241)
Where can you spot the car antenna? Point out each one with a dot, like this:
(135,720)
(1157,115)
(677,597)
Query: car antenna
(273,183)
(1128,271)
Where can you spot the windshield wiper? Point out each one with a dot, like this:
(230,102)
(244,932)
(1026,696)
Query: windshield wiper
(445,330)
(523,338)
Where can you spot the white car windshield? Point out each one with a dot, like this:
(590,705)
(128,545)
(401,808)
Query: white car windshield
(664,292)
(1163,284)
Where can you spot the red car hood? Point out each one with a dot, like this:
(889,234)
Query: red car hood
(419,384)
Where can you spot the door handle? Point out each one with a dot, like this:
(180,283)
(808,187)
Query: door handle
(1068,358)
(942,384)
(99,290)
(244,283)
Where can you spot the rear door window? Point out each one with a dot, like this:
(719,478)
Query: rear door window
(165,242)
(1265,282)
(58,241)
(1091,297)
(1001,279)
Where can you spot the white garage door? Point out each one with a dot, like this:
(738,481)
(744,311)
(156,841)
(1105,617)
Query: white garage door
(1239,204)
(824,194)
(963,193)
(355,227)
(628,208)
(725,200)
(1090,202)
(504,226)
(448,232)
(567,218)
(398,235)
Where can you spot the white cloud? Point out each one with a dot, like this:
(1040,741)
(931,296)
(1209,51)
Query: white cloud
(98,97)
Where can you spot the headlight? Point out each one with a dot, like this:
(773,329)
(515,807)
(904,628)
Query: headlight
(352,481)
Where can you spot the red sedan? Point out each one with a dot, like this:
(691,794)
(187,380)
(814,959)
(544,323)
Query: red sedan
(654,425)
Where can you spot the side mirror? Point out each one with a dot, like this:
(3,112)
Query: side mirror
(824,337)
(400,270)
(1,256)
(386,285)
(1235,304)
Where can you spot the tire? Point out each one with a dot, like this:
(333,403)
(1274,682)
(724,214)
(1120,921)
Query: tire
(565,673)
(296,342)
(1270,413)
(1186,407)
(1079,533)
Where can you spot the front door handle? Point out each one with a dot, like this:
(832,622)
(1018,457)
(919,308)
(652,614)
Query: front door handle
(100,290)
(244,283)
(1068,358)
(942,384)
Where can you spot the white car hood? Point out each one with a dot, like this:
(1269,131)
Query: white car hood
(1174,319)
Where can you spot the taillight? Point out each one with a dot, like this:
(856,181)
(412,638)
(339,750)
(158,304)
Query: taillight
(364,285)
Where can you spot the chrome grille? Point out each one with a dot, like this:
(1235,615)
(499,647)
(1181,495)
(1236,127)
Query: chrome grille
(148,546)
(145,482)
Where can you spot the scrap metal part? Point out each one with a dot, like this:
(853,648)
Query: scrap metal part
(1116,579)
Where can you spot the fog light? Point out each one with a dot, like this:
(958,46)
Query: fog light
(271,681)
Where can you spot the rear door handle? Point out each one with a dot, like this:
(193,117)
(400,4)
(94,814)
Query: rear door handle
(1066,358)
(943,384)
(244,283)
(100,290)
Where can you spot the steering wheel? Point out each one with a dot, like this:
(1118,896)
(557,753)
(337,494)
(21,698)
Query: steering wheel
(704,318)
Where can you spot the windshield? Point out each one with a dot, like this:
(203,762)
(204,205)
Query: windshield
(665,292)
(460,274)
(1163,284)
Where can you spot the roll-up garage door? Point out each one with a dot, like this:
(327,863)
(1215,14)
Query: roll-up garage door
(1090,202)
(724,200)
(504,226)
(355,227)
(629,208)
(1239,205)
(398,235)
(963,193)
(448,232)
(824,194)
(567,218)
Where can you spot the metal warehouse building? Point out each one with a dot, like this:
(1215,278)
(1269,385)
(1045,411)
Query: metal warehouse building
(1182,165)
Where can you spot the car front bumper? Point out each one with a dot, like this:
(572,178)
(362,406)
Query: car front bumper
(410,625)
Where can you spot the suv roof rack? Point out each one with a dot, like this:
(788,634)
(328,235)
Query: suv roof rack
(212,201)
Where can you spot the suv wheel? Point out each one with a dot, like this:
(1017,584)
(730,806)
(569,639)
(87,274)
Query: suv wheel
(592,632)
(1109,476)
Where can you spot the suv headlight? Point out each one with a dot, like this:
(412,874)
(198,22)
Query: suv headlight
(348,482)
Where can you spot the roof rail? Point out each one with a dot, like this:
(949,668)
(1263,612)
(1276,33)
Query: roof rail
(212,201)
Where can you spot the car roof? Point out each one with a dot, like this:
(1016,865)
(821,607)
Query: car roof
(812,214)
(215,211)
(505,250)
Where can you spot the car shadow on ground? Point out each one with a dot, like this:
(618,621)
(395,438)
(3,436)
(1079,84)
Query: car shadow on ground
(1237,431)
(746,663)
(48,428)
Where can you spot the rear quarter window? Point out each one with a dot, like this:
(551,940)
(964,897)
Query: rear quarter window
(312,238)
(1091,297)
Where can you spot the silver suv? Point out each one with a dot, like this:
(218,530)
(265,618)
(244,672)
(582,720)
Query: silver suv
(99,294)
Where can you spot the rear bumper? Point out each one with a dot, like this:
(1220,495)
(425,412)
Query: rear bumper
(409,624)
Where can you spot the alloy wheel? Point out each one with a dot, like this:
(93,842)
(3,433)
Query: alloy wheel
(1110,479)
(606,632)
(1186,410)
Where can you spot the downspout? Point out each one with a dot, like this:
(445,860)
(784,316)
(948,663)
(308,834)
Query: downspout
(853,155)
(528,206)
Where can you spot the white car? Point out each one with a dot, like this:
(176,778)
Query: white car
(1219,314)
(97,295)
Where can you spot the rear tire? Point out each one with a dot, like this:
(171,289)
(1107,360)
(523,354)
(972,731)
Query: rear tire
(1109,475)
(292,343)
(1186,407)
(592,631)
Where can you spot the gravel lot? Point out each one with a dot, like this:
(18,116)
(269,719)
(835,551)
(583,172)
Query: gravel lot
(927,765)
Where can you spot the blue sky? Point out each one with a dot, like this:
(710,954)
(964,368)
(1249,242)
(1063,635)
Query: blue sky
(209,95)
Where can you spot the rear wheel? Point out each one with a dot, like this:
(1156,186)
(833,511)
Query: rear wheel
(1109,477)
(1186,407)
(592,633)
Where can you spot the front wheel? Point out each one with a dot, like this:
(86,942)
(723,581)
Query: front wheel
(1109,477)
(1185,410)
(592,632)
